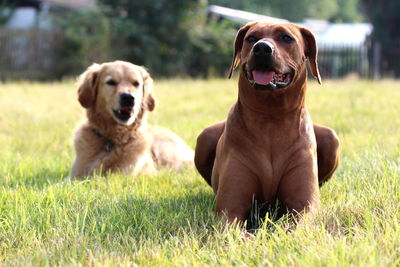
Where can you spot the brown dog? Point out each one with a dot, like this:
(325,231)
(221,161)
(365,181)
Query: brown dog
(268,148)
(117,96)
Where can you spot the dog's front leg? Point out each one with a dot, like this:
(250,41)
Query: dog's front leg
(298,189)
(237,187)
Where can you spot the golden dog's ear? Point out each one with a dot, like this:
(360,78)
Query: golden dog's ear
(148,94)
(87,83)
(238,46)
(311,52)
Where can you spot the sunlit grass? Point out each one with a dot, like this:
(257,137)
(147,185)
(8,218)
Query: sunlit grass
(168,218)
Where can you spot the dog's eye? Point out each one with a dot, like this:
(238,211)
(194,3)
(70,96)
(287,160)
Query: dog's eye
(111,82)
(251,39)
(136,83)
(287,38)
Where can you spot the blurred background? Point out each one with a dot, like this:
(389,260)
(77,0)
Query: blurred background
(56,39)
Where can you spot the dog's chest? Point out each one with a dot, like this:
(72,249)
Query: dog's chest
(127,158)
(271,152)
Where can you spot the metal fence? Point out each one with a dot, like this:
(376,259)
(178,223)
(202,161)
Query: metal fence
(337,62)
(28,54)
(371,60)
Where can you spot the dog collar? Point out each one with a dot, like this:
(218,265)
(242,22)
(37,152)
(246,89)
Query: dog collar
(110,144)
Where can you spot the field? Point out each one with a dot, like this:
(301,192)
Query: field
(169,219)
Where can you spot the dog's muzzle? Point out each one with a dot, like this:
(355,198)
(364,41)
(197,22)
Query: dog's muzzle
(261,69)
(126,103)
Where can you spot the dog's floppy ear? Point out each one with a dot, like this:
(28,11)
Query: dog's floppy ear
(148,95)
(311,52)
(87,83)
(238,47)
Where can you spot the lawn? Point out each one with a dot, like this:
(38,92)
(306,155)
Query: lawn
(169,219)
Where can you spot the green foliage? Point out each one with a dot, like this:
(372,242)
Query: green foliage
(6,11)
(385,18)
(322,9)
(384,15)
(348,11)
(168,219)
(170,38)
(152,33)
(85,40)
(211,49)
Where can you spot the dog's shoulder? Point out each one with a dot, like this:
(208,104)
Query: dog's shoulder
(306,130)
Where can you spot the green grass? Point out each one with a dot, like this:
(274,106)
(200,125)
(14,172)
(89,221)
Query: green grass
(169,219)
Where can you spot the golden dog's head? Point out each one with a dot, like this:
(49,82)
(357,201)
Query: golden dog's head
(273,56)
(120,89)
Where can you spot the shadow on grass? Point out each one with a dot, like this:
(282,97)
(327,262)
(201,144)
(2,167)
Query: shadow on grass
(147,218)
(264,213)
(194,213)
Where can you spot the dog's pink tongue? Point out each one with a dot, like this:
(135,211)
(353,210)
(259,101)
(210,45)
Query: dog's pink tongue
(262,77)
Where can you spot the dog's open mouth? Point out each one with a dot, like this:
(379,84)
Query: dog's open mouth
(264,79)
(123,114)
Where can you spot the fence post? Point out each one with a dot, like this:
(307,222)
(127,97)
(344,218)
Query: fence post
(335,63)
(376,60)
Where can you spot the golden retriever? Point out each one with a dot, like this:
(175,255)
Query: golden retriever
(115,137)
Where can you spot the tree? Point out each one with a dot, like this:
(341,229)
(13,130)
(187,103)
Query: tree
(6,11)
(211,49)
(154,33)
(323,9)
(384,15)
(85,39)
(349,11)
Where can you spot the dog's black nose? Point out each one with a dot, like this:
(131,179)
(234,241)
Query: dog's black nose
(127,100)
(263,49)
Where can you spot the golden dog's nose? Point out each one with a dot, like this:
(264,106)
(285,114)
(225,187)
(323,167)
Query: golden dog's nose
(263,48)
(127,100)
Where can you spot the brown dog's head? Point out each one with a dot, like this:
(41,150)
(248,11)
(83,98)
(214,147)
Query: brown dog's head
(118,88)
(272,56)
